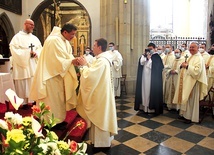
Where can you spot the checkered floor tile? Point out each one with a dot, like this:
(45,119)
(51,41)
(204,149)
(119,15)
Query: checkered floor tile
(143,134)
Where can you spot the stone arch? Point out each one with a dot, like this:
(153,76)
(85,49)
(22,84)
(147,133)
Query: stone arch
(7,26)
(7,33)
(36,17)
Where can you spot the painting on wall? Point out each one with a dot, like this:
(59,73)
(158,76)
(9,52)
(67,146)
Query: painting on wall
(14,6)
(82,38)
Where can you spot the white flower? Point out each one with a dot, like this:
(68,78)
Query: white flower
(84,145)
(13,118)
(44,147)
(36,126)
(17,119)
(53,145)
(14,99)
(8,115)
(3,124)
(57,152)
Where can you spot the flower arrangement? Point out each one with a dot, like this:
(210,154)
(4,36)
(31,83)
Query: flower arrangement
(32,135)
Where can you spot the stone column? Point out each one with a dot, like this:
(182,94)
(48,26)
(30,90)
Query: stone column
(133,32)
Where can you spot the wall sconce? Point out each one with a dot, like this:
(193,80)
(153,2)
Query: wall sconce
(125,1)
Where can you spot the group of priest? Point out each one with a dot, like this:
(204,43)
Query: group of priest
(186,77)
(49,74)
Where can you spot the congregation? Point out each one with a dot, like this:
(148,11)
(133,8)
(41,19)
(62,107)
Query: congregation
(186,77)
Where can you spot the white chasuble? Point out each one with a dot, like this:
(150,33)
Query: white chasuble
(96,102)
(55,79)
(171,83)
(205,56)
(168,64)
(191,87)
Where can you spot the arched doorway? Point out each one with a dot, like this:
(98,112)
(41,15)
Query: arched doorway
(6,34)
(54,12)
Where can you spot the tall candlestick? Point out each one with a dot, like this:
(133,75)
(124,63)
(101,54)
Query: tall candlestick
(75,45)
(81,49)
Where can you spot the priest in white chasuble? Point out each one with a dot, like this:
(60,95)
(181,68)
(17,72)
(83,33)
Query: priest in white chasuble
(172,77)
(167,62)
(192,85)
(25,49)
(117,62)
(55,79)
(96,102)
(149,86)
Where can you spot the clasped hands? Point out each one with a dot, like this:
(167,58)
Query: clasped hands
(79,61)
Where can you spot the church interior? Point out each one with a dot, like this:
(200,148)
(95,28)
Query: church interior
(127,24)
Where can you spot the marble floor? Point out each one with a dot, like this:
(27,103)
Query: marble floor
(143,134)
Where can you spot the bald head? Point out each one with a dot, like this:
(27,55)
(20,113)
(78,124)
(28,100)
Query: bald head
(28,26)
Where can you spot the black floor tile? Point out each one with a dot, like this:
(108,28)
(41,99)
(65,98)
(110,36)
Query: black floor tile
(208,122)
(124,136)
(122,107)
(155,136)
(151,124)
(211,135)
(190,136)
(122,102)
(145,115)
(161,150)
(199,150)
(122,150)
(171,114)
(123,123)
(123,114)
(180,124)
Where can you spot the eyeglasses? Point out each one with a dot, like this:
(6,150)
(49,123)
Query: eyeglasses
(30,24)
